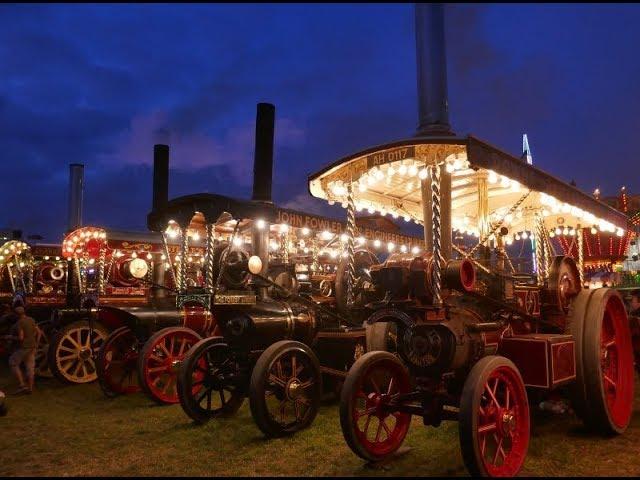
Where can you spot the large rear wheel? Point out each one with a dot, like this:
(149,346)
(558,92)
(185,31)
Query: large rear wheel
(160,360)
(74,349)
(494,419)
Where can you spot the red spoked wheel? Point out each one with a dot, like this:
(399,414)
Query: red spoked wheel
(160,361)
(117,362)
(371,423)
(607,358)
(494,419)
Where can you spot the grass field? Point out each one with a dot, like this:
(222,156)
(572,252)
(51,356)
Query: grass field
(74,430)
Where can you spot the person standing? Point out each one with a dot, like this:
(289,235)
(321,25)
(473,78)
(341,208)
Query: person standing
(25,333)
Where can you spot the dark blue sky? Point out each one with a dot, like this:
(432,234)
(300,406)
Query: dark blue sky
(101,84)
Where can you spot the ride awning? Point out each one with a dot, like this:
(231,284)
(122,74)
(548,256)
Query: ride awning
(387,179)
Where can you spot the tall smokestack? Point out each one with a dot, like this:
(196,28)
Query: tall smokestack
(76,187)
(160,177)
(262,181)
(263,156)
(433,107)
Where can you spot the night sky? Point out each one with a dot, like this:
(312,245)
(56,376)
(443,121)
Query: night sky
(101,84)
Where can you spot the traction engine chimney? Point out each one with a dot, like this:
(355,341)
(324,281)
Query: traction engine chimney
(160,177)
(76,187)
(433,106)
(263,179)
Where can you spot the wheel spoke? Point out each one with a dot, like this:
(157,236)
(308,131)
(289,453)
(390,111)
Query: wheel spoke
(491,427)
(507,399)
(498,448)
(278,381)
(390,389)
(294,365)
(492,395)
(307,384)
(366,426)
(386,429)
(375,385)
(182,344)
(610,381)
(368,411)
(378,431)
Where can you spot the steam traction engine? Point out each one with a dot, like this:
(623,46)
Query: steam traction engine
(473,335)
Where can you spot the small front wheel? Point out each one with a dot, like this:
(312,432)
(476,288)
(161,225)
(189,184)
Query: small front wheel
(370,421)
(116,364)
(208,381)
(285,389)
(494,419)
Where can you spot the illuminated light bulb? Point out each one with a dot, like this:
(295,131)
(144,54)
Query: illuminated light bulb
(202,260)
(371,210)
(305,231)
(344,255)
(46,257)
(552,234)
(326,235)
(558,231)
(362,187)
(177,258)
(515,186)
(305,250)
(508,241)
(261,224)
(391,171)
(407,218)
(377,243)
(423,173)
(1,257)
(449,168)
(403,248)
(566,208)
(96,234)
(361,240)
(619,232)
(508,218)
(524,235)
(565,231)
(195,237)
(394,214)
(403,169)
(391,246)
(134,255)
(273,245)
(103,235)
(504,181)
(57,258)
(149,256)
(189,259)
(22,264)
(517,237)
(409,186)
(545,213)
(333,254)
(413,170)
(284,228)
(172,233)
(344,237)
(415,250)
(370,180)
(493,177)
(331,202)
(379,175)
(572,231)
(163,257)
(594,230)
(237,241)
(359,208)
(383,212)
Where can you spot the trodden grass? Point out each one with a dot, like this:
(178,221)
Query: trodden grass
(74,430)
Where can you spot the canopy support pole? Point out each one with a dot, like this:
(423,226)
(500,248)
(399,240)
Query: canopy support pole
(209,280)
(427,213)
(580,233)
(351,231)
(101,263)
(538,244)
(184,250)
(436,229)
(483,213)
(13,284)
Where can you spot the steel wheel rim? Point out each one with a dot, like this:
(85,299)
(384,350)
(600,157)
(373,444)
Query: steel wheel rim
(75,354)
(380,429)
(502,423)
(616,371)
(210,374)
(162,361)
(289,389)
(120,358)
